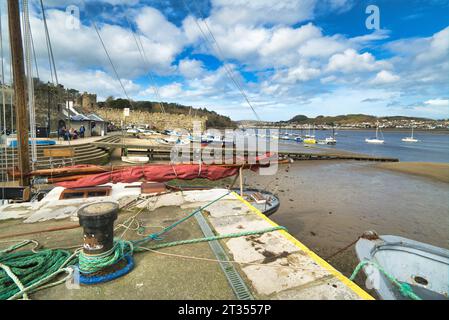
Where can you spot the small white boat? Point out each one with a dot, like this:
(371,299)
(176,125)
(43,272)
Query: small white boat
(374,141)
(331,140)
(420,267)
(132,131)
(377,139)
(410,139)
(135,159)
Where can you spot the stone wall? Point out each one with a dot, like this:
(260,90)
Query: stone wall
(87,102)
(159,121)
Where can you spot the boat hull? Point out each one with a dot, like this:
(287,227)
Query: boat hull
(374,141)
(424,267)
(409,140)
(135,160)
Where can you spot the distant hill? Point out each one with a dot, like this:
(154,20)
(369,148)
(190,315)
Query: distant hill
(214,120)
(346,119)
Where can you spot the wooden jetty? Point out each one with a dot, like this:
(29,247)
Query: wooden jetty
(163,152)
(98,152)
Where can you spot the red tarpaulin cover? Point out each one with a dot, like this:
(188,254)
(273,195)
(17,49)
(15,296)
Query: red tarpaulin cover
(156,173)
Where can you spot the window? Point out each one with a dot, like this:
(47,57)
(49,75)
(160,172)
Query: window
(81,193)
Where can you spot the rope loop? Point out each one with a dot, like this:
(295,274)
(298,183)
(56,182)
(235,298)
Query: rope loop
(404,288)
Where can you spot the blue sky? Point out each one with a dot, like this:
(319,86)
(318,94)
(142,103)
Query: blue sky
(289,57)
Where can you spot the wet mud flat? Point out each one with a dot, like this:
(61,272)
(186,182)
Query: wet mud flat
(328,204)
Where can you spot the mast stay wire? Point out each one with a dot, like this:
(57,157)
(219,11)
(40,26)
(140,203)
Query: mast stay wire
(51,58)
(34,50)
(110,61)
(30,80)
(5,152)
(219,52)
(146,62)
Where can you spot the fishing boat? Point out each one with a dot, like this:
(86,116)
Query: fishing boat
(135,159)
(377,139)
(399,268)
(410,139)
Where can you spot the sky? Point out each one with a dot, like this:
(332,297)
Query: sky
(286,57)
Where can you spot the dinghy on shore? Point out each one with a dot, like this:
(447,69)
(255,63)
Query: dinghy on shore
(135,159)
(400,268)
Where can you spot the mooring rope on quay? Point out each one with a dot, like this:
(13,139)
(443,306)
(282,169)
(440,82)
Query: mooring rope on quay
(25,272)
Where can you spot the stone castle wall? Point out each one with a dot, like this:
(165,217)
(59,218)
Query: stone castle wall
(159,121)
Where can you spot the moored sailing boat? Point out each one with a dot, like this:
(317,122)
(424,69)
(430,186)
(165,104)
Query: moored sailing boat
(377,139)
(410,139)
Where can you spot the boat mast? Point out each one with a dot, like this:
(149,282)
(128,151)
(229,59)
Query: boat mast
(377,129)
(15,36)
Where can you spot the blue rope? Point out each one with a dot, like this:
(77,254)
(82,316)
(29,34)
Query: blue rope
(111,276)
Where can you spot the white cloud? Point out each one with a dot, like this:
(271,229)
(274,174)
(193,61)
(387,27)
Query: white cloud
(384,77)
(249,12)
(300,73)
(191,68)
(350,61)
(438,47)
(286,38)
(81,48)
(438,102)
(323,46)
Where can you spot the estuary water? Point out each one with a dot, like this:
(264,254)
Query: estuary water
(432,146)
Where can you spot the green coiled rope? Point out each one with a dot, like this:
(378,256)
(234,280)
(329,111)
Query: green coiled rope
(90,264)
(24,272)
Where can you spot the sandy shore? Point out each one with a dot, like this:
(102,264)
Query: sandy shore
(438,171)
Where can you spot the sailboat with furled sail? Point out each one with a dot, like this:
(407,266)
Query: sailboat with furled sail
(410,139)
(379,137)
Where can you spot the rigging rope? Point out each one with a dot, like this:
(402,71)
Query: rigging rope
(219,51)
(51,58)
(110,61)
(5,154)
(30,80)
(143,56)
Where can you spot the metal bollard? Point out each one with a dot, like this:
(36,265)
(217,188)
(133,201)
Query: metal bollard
(97,220)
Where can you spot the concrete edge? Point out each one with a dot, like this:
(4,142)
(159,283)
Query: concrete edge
(350,284)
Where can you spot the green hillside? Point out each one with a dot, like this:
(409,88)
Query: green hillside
(345,119)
